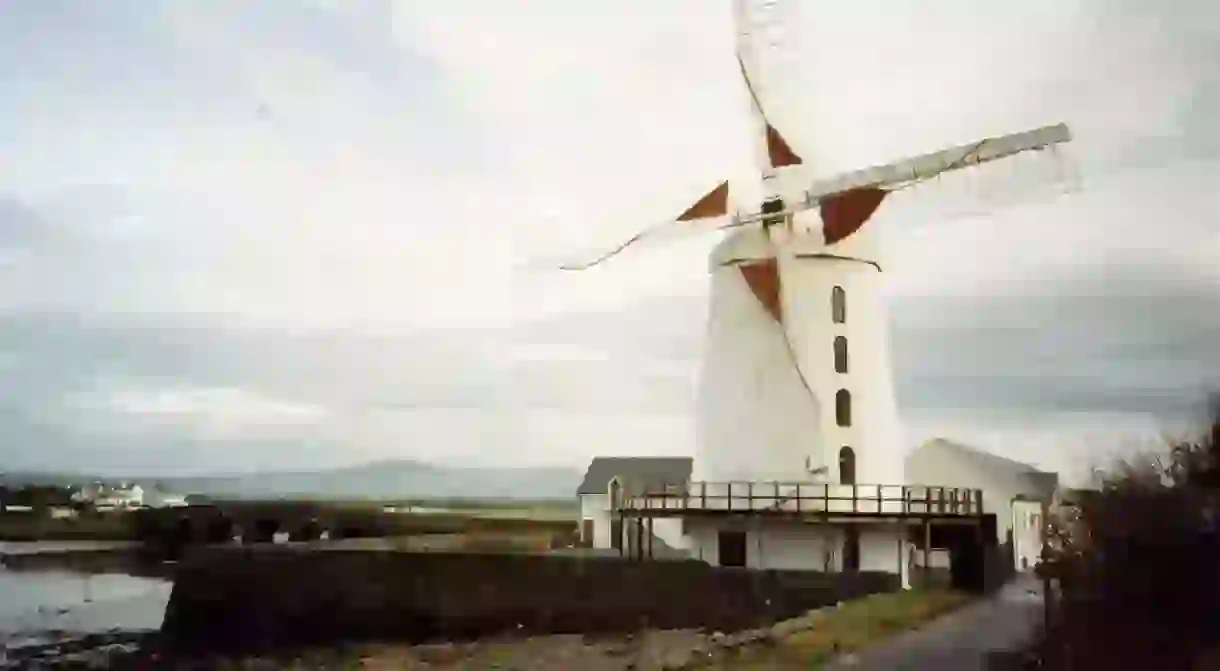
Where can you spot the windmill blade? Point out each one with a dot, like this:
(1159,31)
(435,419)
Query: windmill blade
(857,194)
(709,213)
(910,171)
(778,152)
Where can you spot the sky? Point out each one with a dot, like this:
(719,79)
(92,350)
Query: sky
(295,234)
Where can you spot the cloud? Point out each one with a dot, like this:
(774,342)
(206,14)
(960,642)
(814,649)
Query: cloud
(238,237)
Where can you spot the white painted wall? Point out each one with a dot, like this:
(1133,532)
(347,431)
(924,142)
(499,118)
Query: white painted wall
(807,288)
(755,420)
(803,547)
(596,507)
(935,467)
(1027,534)
(670,530)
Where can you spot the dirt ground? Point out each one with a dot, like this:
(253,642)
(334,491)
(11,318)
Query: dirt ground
(799,643)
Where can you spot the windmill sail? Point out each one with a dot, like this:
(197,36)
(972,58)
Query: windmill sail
(844,213)
(763,279)
(846,202)
(714,204)
(779,153)
(710,212)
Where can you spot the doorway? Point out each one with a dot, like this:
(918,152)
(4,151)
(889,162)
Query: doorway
(731,546)
(851,549)
(847,466)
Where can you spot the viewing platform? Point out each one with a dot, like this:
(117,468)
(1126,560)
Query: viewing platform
(814,501)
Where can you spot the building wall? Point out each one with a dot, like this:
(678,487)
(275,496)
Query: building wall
(803,547)
(936,467)
(596,507)
(1027,534)
(672,531)
(755,421)
(808,282)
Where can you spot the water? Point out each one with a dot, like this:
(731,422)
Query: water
(38,601)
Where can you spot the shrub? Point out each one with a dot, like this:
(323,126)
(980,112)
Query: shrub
(1138,568)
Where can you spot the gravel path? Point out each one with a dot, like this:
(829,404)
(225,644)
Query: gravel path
(961,640)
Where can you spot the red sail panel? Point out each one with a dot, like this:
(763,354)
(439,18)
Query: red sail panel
(844,213)
(714,204)
(763,280)
(778,151)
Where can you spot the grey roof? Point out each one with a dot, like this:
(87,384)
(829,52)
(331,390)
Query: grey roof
(635,472)
(1042,483)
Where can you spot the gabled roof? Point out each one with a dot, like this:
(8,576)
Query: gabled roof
(1043,483)
(635,472)
(981,457)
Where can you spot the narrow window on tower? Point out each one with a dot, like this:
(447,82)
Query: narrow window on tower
(843,408)
(840,354)
(838,305)
(847,466)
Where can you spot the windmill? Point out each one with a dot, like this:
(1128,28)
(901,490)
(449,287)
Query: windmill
(796,382)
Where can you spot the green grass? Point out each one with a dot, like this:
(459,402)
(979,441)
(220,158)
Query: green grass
(37,527)
(836,631)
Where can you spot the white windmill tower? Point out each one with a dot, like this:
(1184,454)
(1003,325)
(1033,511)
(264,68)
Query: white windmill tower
(796,384)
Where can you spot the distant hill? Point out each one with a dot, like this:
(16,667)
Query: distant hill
(393,480)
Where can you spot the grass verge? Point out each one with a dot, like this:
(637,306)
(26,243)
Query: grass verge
(835,631)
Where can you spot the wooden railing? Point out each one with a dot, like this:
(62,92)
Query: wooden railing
(803,497)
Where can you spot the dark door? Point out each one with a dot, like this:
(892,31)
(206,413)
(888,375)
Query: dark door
(847,466)
(586,533)
(732,548)
(616,534)
(851,549)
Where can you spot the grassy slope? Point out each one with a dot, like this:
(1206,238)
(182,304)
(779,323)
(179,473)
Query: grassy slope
(851,627)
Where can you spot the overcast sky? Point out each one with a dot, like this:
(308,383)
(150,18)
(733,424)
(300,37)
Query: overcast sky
(287,234)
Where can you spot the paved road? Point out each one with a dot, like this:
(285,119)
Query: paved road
(961,640)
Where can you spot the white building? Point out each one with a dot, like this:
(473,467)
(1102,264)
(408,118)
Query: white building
(799,462)
(1014,491)
(106,498)
(599,528)
(796,388)
(155,498)
(1027,536)
(1011,490)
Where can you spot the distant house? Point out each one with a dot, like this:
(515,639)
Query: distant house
(88,493)
(124,498)
(155,498)
(608,476)
(1014,491)
(105,498)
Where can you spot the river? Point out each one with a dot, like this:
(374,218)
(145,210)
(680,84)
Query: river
(36,602)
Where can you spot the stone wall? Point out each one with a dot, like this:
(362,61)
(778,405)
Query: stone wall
(254,597)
